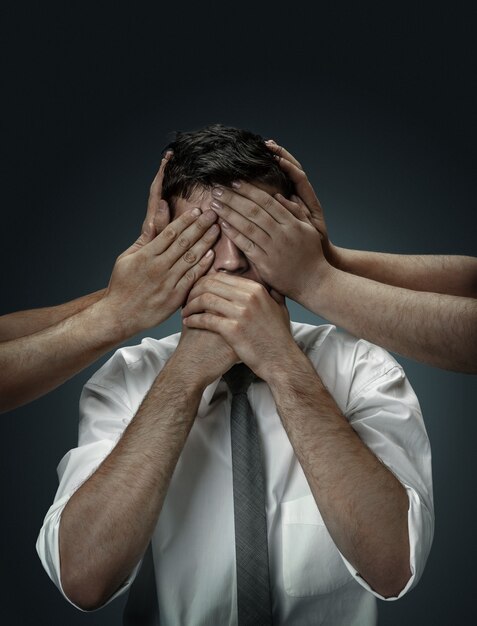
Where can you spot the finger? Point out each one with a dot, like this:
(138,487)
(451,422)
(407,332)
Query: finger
(306,211)
(305,191)
(294,207)
(281,152)
(155,213)
(195,252)
(253,252)
(177,233)
(302,184)
(161,217)
(143,239)
(207,321)
(195,272)
(253,203)
(226,286)
(211,303)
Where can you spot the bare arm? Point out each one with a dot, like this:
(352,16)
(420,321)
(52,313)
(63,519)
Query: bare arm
(21,323)
(149,282)
(288,243)
(362,503)
(437,329)
(107,523)
(446,274)
(35,364)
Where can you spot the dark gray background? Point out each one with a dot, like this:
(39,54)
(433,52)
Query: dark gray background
(379,105)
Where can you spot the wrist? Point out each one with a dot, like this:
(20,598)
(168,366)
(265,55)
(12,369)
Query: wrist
(314,289)
(291,358)
(193,379)
(295,367)
(108,317)
(335,255)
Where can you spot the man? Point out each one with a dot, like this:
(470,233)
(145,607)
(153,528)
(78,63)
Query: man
(347,491)
(421,306)
(42,348)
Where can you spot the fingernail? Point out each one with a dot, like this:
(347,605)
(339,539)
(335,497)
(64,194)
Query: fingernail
(224,224)
(209,254)
(216,205)
(236,184)
(217,192)
(271,142)
(196,212)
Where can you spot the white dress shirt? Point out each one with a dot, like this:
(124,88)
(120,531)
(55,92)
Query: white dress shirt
(193,542)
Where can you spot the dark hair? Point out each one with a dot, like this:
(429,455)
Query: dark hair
(219,155)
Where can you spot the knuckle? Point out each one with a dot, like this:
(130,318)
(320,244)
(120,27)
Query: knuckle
(268,203)
(189,276)
(250,229)
(169,233)
(209,300)
(182,242)
(249,247)
(253,211)
(189,257)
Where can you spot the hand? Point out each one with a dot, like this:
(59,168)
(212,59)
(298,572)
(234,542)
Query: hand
(157,214)
(305,191)
(251,321)
(202,356)
(274,233)
(152,278)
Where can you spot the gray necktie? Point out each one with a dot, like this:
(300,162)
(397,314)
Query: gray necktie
(251,545)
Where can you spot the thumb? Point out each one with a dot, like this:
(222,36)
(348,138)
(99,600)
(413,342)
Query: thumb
(161,216)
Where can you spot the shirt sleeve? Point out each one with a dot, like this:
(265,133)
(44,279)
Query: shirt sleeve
(383,409)
(104,414)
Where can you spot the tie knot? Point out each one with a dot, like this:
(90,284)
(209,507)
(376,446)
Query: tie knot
(238,378)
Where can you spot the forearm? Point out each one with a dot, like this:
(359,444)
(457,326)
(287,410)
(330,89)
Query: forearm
(437,329)
(108,522)
(446,274)
(21,323)
(33,365)
(362,503)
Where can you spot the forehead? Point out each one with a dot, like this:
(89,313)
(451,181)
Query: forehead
(202,197)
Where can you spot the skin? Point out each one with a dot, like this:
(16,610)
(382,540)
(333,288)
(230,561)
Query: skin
(423,307)
(231,315)
(40,349)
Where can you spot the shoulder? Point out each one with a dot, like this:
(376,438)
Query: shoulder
(132,369)
(347,365)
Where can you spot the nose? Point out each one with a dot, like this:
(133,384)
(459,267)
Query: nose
(229,258)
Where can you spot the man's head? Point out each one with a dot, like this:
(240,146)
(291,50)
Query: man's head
(218,155)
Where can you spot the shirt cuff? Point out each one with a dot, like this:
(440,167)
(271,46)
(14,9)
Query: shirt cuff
(420,528)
